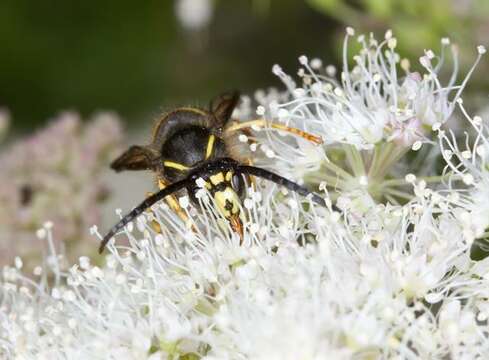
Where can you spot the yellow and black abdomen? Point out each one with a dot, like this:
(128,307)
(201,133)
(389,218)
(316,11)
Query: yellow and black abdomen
(188,148)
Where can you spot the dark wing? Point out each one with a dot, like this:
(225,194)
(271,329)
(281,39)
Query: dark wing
(136,158)
(222,107)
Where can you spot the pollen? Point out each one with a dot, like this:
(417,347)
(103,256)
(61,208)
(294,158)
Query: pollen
(184,202)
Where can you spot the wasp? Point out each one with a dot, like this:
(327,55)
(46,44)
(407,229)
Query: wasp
(189,144)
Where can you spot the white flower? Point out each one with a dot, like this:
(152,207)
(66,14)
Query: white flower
(369,119)
(355,289)
(365,279)
(467,160)
(194,14)
(373,101)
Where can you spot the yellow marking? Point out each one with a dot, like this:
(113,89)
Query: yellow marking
(172,201)
(175,165)
(229,175)
(252,178)
(162,184)
(262,122)
(217,178)
(230,195)
(154,224)
(195,110)
(174,205)
(210,146)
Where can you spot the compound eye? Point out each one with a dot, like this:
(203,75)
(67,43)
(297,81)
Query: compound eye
(237,183)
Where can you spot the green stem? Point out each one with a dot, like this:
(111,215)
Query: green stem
(398,193)
(336,169)
(390,157)
(332,181)
(355,160)
(375,159)
(391,199)
(382,152)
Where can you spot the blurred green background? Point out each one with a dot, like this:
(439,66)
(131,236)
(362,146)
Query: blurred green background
(139,58)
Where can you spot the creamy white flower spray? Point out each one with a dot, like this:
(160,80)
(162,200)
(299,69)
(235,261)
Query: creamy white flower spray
(373,275)
(369,119)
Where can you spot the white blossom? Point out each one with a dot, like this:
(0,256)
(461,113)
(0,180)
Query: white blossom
(194,14)
(369,119)
(466,158)
(384,270)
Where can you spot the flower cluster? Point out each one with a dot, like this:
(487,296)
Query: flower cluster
(468,164)
(55,175)
(369,119)
(358,278)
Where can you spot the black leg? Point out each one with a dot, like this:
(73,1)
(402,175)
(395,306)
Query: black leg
(268,175)
(148,202)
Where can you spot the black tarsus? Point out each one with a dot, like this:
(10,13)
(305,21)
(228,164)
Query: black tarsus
(149,201)
(268,175)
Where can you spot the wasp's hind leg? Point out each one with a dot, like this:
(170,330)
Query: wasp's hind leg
(263,123)
(174,205)
(172,201)
(154,224)
(251,179)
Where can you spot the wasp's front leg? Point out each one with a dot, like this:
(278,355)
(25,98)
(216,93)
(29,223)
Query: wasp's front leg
(260,123)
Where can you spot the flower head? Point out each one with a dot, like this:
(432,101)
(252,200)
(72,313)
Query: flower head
(55,175)
(372,116)
(362,279)
(466,159)
(340,291)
